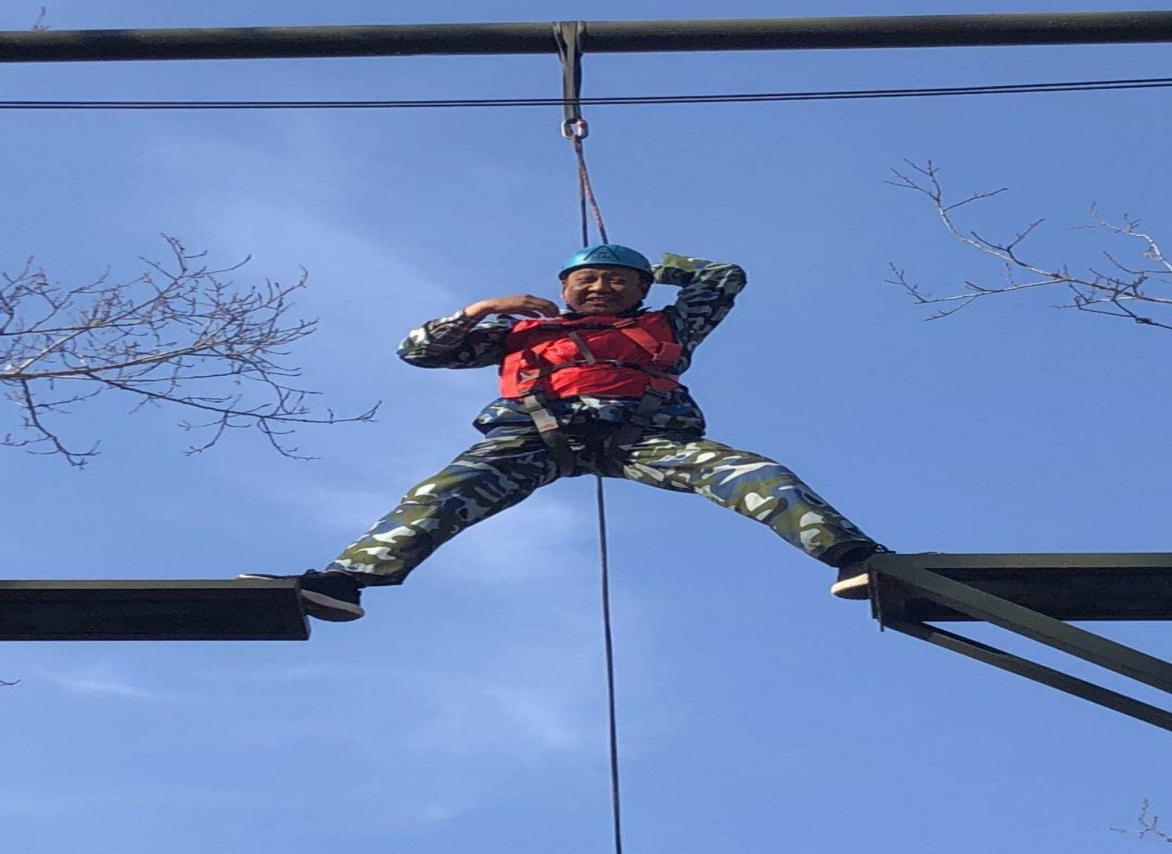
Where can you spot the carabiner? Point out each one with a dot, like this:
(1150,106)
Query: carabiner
(575,128)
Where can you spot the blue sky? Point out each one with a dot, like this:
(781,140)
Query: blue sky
(467,712)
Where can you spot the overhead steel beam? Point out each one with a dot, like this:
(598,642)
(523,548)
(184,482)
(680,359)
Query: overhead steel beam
(905,31)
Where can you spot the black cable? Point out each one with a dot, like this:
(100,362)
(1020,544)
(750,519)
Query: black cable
(730,98)
(610,693)
(569,37)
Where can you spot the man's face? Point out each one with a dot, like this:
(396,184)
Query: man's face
(603,289)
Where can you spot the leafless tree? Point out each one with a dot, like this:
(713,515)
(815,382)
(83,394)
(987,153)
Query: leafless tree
(181,333)
(1116,288)
(1149,825)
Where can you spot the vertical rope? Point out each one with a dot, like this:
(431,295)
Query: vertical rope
(569,38)
(610,692)
(585,220)
(587,194)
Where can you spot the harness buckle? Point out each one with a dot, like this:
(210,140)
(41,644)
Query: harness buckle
(649,404)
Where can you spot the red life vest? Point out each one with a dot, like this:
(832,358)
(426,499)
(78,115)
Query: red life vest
(603,355)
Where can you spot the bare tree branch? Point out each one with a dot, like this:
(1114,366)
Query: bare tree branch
(181,333)
(1125,290)
(1149,825)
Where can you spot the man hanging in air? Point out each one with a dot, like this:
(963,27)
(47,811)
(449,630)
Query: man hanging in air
(589,389)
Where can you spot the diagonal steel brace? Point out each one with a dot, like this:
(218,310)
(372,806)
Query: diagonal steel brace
(895,576)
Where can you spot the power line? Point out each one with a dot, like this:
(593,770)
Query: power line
(728,98)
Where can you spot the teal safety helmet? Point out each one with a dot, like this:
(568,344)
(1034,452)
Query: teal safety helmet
(608,255)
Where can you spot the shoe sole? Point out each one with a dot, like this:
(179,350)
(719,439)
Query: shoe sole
(855,587)
(328,608)
(318,605)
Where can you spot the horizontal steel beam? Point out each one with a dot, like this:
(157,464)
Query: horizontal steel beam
(1064,585)
(142,609)
(601,37)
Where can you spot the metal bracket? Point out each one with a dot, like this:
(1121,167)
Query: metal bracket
(1037,593)
(569,36)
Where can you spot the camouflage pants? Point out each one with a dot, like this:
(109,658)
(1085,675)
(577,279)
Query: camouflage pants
(512,462)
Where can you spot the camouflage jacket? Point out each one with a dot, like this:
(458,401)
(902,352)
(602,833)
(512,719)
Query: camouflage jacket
(707,292)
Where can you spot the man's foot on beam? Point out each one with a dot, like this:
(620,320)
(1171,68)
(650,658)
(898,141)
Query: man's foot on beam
(854,582)
(330,595)
(854,573)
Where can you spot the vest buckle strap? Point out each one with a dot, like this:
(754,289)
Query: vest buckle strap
(550,431)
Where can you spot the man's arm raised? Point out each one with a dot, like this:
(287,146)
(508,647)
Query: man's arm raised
(465,339)
(707,292)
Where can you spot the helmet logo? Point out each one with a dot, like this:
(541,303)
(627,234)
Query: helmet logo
(603,253)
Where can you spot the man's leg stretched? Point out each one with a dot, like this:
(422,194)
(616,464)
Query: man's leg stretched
(754,486)
(491,476)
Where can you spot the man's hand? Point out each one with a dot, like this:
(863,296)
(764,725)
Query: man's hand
(523,304)
(676,269)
